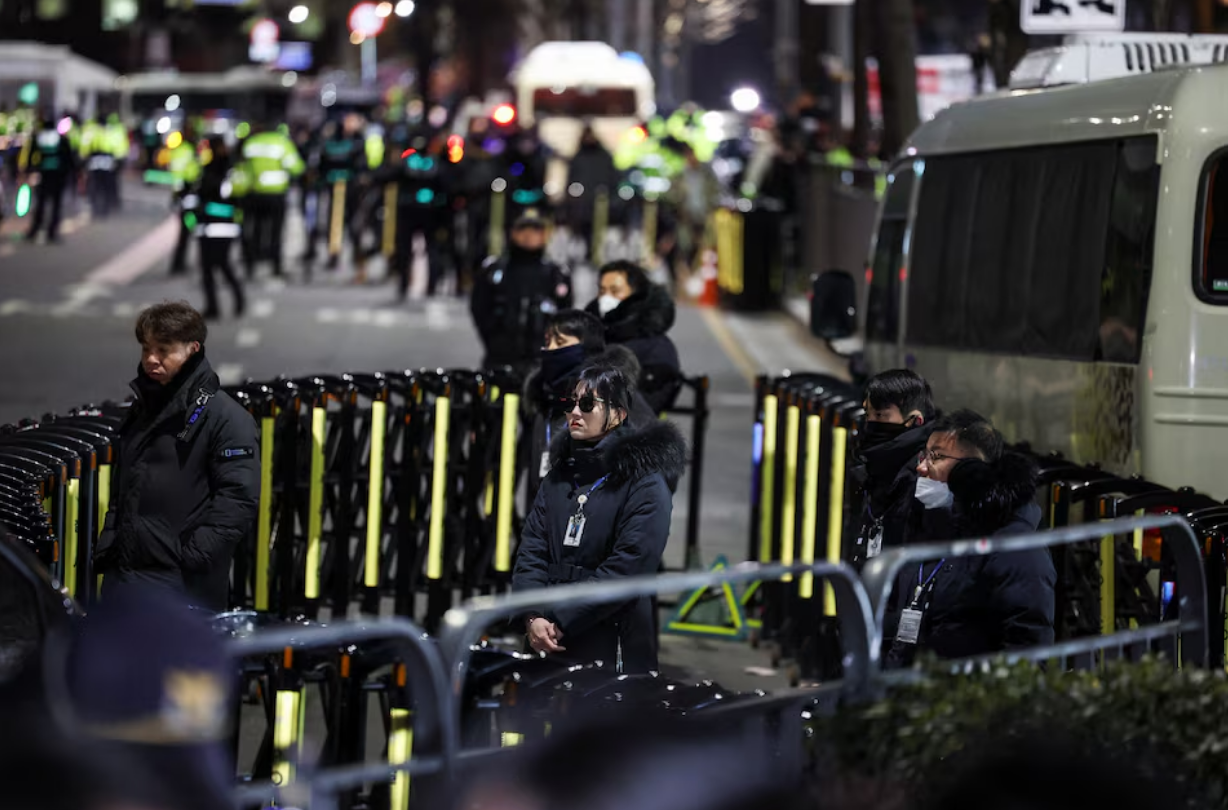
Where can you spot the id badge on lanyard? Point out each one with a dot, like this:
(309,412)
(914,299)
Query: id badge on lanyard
(909,631)
(575,523)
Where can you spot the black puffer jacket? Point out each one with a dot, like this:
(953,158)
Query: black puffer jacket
(627,521)
(187,488)
(640,323)
(983,604)
(886,480)
(542,410)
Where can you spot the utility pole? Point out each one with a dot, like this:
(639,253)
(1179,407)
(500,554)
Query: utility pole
(786,50)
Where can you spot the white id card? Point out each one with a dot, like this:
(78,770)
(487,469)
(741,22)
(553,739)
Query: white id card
(876,544)
(575,530)
(910,626)
(544,470)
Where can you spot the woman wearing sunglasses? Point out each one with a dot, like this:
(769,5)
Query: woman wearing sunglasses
(602,512)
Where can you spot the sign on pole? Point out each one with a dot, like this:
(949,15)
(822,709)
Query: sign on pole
(1071,16)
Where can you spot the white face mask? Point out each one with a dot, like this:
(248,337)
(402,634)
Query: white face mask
(607,304)
(934,494)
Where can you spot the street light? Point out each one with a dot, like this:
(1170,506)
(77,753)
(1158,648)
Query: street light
(299,14)
(744,100)
(405,8)
(384,10)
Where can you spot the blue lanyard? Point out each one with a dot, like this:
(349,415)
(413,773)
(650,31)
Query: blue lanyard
(547,433)
(583,499)
(921,586)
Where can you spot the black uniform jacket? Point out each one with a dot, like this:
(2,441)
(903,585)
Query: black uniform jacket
(886,477)
(640,323)
(984,604)
(627,522)
(187,487)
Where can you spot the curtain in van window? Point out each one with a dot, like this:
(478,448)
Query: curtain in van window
(1009,251)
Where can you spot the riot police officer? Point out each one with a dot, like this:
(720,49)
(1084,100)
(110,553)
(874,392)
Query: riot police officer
(51,157)
(271,161)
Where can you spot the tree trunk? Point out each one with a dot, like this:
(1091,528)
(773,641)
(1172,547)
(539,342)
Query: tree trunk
(897,72)
(863,25)
(1204,16)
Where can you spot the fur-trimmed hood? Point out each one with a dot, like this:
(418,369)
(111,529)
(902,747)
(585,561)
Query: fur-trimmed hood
(648,313)
(626,454)
(991,497)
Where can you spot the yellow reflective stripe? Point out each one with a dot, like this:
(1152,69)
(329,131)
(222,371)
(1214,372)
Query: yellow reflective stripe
(1108,585)
(788,507)
(375,493)
(498,213)
(315,503)
(70,534)
(507,483)
(434,558)
(390,221)
(336,223)
(810,501)
(767,478)
(287,712)
(650,230)
(264,518)
(835,511)
(510,739)
(104,493)
(400,748)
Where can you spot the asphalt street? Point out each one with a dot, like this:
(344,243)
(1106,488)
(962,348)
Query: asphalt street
(67,313)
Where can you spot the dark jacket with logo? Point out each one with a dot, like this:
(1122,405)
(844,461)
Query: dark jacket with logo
(512,298)
(627,523)
(640,323)
(187,487)
(886,478)
(984,604)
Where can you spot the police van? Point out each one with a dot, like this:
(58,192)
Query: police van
(1055,256)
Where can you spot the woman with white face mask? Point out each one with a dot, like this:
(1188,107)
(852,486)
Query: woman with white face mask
(970,486)
(637,314)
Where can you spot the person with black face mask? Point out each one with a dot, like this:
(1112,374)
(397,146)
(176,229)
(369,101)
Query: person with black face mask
(513,297)
(573,341)
(899,411)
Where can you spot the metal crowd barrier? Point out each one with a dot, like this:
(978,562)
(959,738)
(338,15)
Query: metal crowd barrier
(384,487)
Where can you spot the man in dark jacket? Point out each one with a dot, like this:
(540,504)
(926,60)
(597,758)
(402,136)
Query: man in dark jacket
(637,314)
(514,296)
(188,481)
(899,411)
(969,486)
(51,157)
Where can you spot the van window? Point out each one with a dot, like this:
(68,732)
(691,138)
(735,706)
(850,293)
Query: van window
(1211,256)
(579,102)
(883,274)
(1042,252)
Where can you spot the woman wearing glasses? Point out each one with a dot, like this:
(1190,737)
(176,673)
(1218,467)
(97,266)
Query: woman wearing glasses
(602,512)
(970,486)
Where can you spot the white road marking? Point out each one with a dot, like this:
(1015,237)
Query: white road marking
(230,373)
(386,318)
(138,259)
(247,338)
(328,315)
(7,249)
(262,308)
(360,315)
(14,306)
(124,309)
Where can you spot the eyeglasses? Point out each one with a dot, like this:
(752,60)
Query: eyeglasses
(932,458)
(586,403)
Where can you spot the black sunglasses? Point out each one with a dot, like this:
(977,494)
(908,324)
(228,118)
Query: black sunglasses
(586,402)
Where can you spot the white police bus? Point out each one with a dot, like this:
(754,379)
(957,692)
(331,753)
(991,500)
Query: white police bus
(1056,257)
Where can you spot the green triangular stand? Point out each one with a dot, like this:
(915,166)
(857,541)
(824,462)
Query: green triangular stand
(713,610)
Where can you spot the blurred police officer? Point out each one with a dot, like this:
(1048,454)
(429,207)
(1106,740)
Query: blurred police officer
(222,187)
(272,161)
(514,296)
(51,157)
(188,478)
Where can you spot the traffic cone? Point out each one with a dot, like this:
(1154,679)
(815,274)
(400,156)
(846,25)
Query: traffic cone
(708,275)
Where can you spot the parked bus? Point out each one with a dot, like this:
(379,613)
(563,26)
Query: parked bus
(1056,257)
